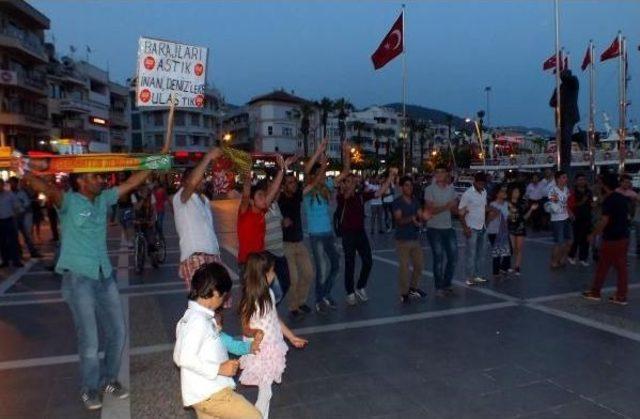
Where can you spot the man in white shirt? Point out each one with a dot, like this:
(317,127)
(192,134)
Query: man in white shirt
(536,192)
(558,195)
(194,220)
(472,210)
(201,351)
(376,206)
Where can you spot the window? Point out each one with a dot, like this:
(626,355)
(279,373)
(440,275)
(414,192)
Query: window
(195,119)
(287,132)
(207,121)
(269,130)
(136,142)
(159,140)
(181,140)
(179,119)
(158,119)
(135,121)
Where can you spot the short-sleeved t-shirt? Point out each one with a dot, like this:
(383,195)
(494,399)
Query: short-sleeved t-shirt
(616,207)
(317,211)
(291,208)
(409,209)
(440,196)
(251,231)
(84,234)
(493,227)
(563,197)
(352,210)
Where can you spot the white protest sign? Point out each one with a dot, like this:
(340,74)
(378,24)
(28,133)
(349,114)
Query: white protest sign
(166,68)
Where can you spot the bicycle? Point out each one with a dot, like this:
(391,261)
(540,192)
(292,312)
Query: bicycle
(157,254)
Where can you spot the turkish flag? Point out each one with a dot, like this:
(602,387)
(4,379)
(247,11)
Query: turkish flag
(613,50)
(587,59)
(550,62)
(391,46)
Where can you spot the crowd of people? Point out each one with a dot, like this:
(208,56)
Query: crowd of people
(275,265)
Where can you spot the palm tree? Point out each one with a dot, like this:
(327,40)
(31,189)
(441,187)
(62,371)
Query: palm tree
(326,106)
(305,112)
(343,106)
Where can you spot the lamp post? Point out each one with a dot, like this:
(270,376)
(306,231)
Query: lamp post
(487,90)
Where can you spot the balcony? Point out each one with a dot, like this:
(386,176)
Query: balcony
(118,119)
(74,106)
(24,42)
(34,82)
(24,120)
(99,98)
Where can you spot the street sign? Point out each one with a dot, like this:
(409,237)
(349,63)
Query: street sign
(167,69)
(8,77)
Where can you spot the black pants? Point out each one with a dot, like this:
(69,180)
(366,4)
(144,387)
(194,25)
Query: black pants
(53,221)
(9,240)
(352,242)
(282,272)
(388,215)
(580,244)
(499,263)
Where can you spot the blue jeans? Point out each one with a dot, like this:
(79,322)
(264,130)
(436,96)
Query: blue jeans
(443,242)
(324,242)
(474,252)
(91,302)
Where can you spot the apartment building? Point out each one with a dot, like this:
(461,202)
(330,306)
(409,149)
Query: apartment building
(23,85)
(195,130)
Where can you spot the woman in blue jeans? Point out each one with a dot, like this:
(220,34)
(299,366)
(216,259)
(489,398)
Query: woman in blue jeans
(317,197)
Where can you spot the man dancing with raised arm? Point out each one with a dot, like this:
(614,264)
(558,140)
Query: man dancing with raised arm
(88,279)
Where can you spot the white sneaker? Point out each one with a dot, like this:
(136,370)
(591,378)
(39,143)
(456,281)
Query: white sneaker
(572,261)
(362,294)
(472,281)
(479,280)
(584,263)
(351,300)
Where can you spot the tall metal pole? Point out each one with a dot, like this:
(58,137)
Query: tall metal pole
(558,65)
(404,94)
(592,109)
(622,82)
(488,90)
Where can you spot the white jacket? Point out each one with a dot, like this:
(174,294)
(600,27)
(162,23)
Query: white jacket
(199,351)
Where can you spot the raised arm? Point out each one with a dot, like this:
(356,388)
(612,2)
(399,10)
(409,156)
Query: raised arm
(283,165)
(393,172)
(316,156)
(189,186)
(246,192)
(346,161)
(133,182)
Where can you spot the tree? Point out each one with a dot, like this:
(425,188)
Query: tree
(358,126)
(326,106)
(305,112)
(343,106)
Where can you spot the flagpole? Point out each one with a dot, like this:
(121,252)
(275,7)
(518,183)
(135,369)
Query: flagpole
(592,108)
(404,95)
(621,116)
(558,66)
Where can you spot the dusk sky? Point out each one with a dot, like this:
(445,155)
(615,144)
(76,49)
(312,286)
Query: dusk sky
(323,48)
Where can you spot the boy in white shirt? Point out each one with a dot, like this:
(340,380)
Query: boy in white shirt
(201,351)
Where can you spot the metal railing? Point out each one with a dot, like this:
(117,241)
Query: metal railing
(28,39)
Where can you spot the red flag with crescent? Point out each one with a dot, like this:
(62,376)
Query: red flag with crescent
(613,50)
(587,60)
(391,46)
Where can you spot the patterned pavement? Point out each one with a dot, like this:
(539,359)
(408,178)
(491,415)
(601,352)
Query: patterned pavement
(524,347)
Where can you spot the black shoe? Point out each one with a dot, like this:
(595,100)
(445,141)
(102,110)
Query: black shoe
(321,308)
(417,293)
(305,309)
(404,299)
(91,400)
(116,390)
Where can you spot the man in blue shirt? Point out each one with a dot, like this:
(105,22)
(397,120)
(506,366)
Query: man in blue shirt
(89,285)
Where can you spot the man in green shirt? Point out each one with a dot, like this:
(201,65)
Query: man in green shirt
(89,285)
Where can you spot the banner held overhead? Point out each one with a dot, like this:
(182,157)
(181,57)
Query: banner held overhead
(167,69)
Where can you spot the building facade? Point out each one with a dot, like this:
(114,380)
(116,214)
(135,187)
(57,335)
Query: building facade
(24,113)
(87,110)
(195,130)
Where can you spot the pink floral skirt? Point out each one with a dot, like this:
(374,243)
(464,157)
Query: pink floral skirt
(266,366)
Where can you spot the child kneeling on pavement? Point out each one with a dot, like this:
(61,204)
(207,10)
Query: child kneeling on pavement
(201,351)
